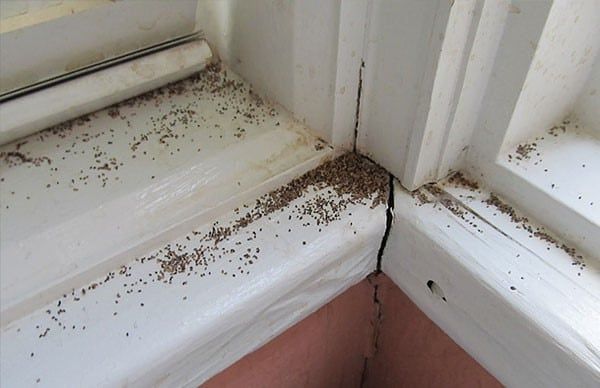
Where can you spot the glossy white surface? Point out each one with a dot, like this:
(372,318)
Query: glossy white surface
(514,302)
(32,112)
(403,44)
(134,330)
(132,175)
(564,164)
(425,151)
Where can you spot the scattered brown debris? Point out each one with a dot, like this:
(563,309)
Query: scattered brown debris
(171,118)
(317,198)
(459,180)
(420,196)
(16,158)
(434,189)
(538,232)
(505,208)
(524,150)
(559,128)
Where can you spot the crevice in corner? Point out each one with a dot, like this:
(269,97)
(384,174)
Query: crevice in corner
(373,280)
(358,97)
(389,218)
(363,375)
(376,324)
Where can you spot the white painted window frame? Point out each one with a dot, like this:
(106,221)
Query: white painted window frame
(499,129)
(514,303)
(460,263)
(472,86)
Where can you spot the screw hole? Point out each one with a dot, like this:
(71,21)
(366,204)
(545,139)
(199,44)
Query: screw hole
(436,290)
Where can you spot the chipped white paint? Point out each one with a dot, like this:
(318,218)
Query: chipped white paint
(33,112)
(518,308)
(135,175)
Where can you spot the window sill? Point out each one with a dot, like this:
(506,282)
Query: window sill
(557,170)
(184,332)
(137,175)
(518,308)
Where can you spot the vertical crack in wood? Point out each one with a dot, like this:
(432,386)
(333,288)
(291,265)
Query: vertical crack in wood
(373,279)
(389,218)
(377,315)
(358,97)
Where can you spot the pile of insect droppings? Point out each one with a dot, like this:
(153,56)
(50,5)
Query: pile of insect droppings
(347,180)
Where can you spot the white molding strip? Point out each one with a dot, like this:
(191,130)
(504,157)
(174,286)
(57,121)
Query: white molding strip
(25,115)
(430,134)
(350,51)
(402,53)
